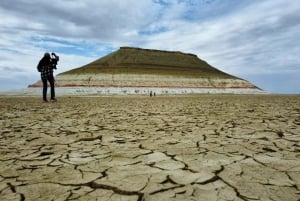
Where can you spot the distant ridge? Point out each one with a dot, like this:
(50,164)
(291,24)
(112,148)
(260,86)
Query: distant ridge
(136,68)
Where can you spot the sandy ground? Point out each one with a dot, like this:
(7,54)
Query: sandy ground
(205,147)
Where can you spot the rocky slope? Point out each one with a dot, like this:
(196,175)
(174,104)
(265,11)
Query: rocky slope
(154,70)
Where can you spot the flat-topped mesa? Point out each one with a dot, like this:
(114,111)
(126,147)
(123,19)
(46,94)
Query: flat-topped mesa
(145,61)
(135,68)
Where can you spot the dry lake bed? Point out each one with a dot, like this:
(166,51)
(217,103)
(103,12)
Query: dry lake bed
(202,147)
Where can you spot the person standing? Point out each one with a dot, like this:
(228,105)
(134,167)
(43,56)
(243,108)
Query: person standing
(45,67)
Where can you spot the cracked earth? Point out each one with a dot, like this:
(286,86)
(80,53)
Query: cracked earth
(209,147)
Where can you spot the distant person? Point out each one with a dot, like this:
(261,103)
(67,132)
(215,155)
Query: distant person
(45,67)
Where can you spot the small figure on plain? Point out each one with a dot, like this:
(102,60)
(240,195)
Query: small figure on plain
(45,67)
(150,93)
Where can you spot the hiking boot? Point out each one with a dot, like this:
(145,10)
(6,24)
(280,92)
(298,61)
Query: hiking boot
(53,100)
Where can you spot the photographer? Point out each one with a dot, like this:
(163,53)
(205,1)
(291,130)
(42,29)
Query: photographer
(45,67)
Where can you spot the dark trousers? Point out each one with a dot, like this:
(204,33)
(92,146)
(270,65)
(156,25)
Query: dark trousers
(45,86)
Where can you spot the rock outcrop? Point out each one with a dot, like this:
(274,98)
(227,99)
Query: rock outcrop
(135,70)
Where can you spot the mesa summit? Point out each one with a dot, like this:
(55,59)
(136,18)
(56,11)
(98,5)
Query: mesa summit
(142,71)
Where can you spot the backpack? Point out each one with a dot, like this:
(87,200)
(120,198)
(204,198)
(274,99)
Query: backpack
(39,68)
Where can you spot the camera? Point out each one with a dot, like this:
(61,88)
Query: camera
(54,59)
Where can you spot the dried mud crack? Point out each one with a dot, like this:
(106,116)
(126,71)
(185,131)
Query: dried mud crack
(209,147)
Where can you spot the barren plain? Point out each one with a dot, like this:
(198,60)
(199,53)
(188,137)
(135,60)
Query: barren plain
(200,147)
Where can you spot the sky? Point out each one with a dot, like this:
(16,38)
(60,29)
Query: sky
(257,40)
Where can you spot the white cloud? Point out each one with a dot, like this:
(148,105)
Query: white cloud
(249,37)
(250,40)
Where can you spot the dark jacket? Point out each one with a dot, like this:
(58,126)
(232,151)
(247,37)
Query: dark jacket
(45,67)
(44,62)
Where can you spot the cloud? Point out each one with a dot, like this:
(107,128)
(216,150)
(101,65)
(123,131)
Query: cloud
(251,40)
(94,19)
(11,69)
(246,38)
